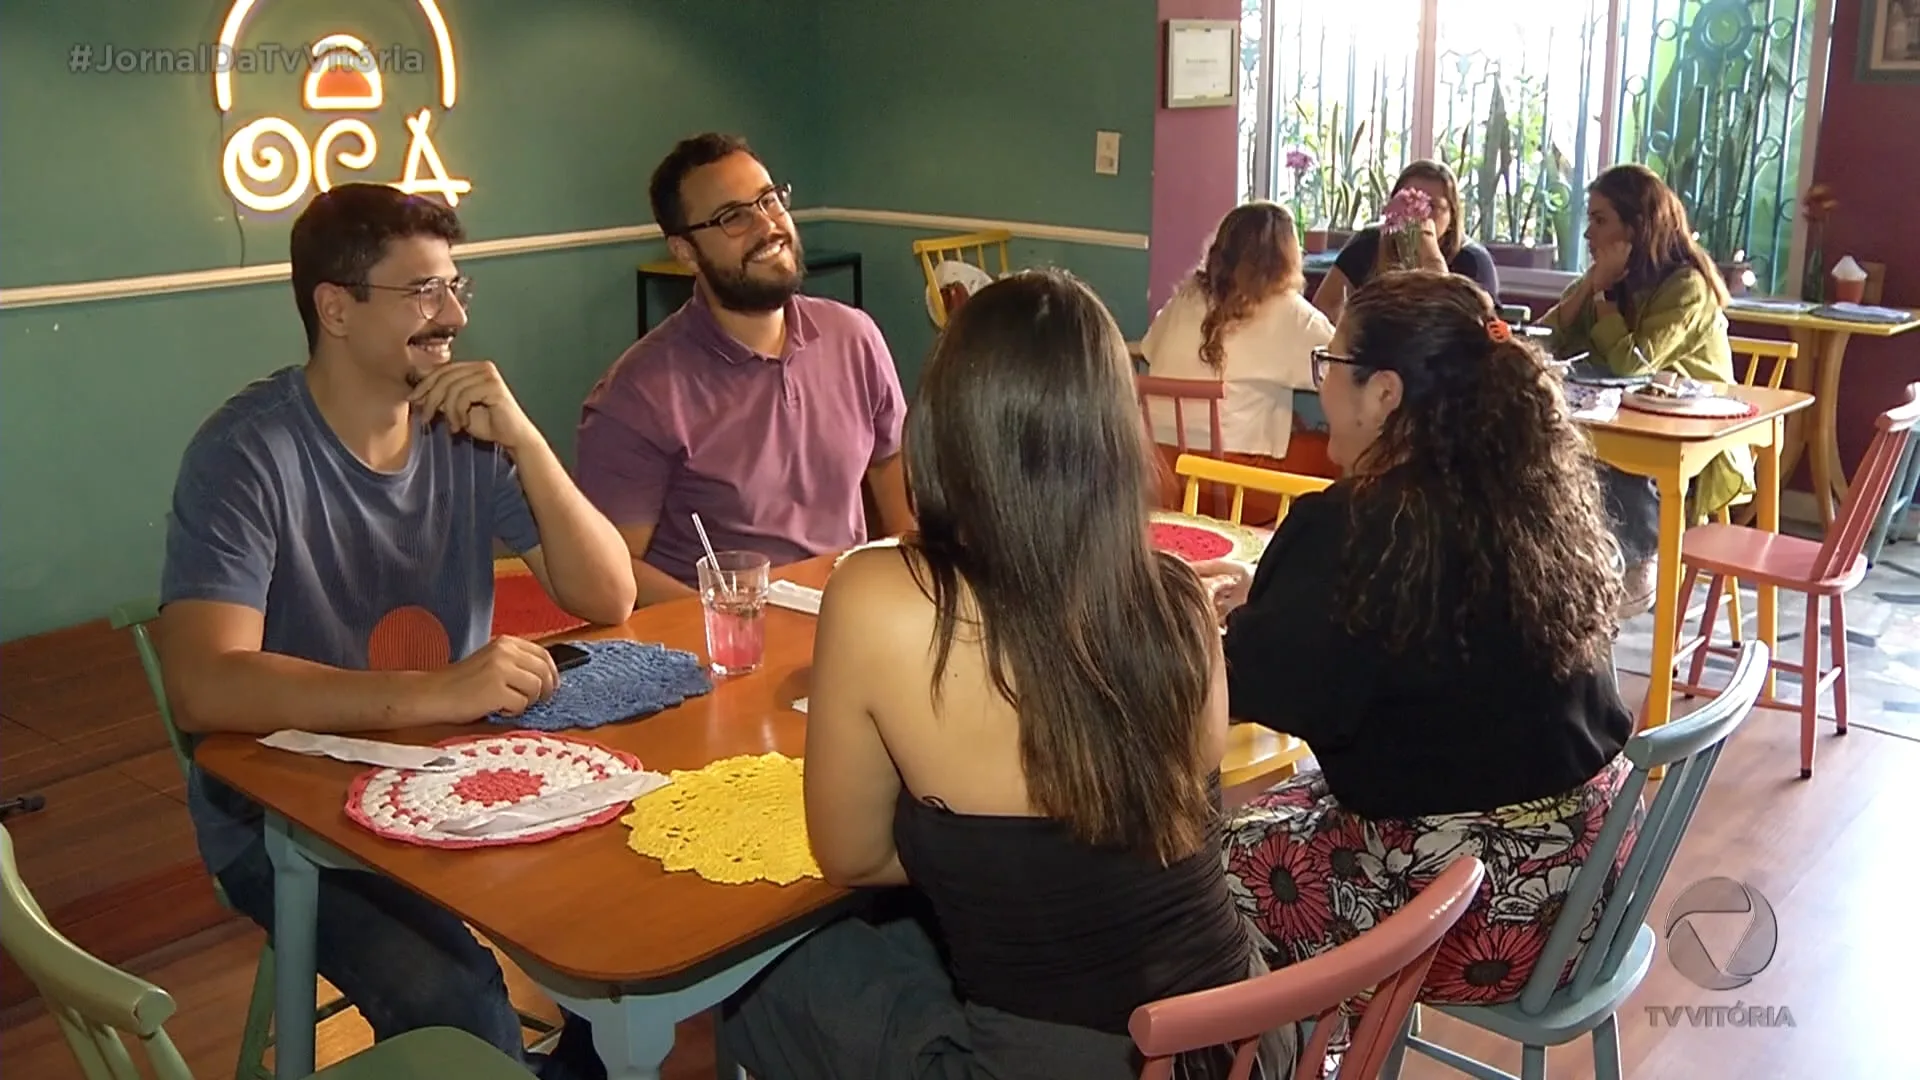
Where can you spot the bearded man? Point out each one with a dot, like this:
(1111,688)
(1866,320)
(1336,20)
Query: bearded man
(760,409)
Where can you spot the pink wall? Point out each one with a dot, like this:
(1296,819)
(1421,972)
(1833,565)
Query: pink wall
(1195,165)
(1871,159)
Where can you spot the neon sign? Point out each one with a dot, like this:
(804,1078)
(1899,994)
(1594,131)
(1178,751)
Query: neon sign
(343,75)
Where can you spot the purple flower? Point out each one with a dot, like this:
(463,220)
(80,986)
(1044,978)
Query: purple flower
(1408,207)
(1299,161)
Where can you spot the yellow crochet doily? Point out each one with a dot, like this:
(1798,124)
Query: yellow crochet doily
(740,819)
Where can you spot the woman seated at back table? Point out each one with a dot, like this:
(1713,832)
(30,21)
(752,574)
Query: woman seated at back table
(1436,626)
(1240,319)
(1444,246)
(1020,711)
(1653,301)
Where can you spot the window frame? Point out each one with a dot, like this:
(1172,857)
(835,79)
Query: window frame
(1426,92)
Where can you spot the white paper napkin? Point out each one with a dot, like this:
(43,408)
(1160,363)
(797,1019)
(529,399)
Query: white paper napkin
(366,751)
(800,705)
(554,806)
(794,597)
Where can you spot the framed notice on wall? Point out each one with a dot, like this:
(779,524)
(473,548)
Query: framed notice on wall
(1890,41)
(1203,63)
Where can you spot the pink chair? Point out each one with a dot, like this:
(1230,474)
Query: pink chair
(1825,570)
(1199,392)
(1390,960)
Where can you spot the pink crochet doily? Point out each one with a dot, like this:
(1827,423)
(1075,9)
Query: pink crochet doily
(495,771)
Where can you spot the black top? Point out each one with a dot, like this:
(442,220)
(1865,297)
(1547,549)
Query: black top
(1357,260)
(1427,731)
(1042,926)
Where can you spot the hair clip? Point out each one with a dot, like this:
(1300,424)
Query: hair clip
(1498,330)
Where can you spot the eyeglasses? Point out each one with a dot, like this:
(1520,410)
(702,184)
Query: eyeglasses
(430,296)
(1322,359)
(737,219)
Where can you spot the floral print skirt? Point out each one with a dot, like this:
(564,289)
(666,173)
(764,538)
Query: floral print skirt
(1310,875)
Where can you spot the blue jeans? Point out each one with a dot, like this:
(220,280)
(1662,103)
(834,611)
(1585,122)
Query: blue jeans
(406,963)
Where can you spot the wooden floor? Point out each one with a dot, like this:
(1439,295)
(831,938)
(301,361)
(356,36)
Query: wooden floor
(1825,853)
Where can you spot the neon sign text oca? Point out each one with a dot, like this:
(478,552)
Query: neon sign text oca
(344,76)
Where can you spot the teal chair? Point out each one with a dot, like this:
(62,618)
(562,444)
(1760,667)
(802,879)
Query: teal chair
(1622,948)
(96,1006)
(1903,495)
(257,1037)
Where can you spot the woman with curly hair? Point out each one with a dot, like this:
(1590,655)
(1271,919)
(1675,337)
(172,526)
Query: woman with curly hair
(1652,301)
(1240,319)
(1436,626)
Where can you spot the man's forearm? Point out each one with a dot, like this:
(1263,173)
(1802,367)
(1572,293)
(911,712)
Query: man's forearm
(585,557)
(258,693)
(655,585)
(888,480)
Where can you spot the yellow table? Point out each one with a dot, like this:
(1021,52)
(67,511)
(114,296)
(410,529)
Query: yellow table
(1823,343)
(1672,451)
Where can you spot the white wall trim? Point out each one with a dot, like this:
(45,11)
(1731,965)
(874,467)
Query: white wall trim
(1028,230)
(80,292)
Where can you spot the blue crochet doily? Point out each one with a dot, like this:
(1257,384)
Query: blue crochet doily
(620,680)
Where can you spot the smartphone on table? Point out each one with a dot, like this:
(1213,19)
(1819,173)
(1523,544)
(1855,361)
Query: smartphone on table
(566,657)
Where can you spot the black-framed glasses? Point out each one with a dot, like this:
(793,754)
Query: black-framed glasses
(430,296)
(1322,360)
(736,219)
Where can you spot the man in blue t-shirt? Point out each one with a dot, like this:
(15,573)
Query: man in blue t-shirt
(329,567)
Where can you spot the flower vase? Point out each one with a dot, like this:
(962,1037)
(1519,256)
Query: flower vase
(1813,286)
(1406,247)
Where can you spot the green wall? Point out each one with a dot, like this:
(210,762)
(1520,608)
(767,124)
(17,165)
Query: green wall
(564,108)
(986,109)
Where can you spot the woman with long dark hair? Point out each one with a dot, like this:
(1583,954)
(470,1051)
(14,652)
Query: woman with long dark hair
(1652,301)
(1019,711)
(1240,319)
(1436,626)
(1444,247)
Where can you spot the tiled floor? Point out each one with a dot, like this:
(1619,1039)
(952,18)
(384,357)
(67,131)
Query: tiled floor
(1883,641)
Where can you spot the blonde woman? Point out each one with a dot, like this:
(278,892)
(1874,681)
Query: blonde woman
(1241,319)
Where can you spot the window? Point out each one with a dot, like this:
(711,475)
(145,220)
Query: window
(1528,102)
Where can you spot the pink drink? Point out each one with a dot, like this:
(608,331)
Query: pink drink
(736,633)
(733,595)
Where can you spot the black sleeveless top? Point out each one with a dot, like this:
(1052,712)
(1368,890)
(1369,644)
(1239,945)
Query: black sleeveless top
(1042,926)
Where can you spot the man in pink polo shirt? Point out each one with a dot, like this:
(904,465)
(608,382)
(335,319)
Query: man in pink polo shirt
(756,407)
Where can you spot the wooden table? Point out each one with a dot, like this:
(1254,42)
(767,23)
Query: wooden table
(671,270)
(603,930)
(1672,451)
(1823,343)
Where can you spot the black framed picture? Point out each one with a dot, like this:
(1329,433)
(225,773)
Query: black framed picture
(1890,41)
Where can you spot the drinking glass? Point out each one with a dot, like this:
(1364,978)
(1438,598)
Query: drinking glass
(733,596)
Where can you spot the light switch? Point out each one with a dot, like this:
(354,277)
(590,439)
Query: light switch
(1106,153)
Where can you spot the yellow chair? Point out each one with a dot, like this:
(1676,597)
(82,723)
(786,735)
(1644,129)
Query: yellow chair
(1757,350)
(935,250)
(1775,357)
(1242,479)
(1254,754)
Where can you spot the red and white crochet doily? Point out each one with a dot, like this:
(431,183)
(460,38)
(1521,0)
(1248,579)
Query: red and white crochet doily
(495,771)
(1199,539)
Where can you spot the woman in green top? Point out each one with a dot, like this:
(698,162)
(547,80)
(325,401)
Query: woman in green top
(1652,301)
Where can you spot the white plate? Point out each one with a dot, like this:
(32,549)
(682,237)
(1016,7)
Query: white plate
(954,272)
(1710,407)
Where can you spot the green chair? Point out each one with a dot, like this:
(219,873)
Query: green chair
(96,1005)
(257,1037)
